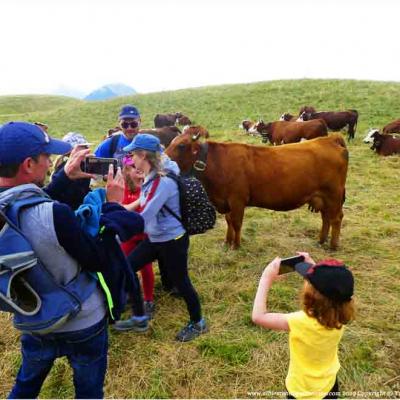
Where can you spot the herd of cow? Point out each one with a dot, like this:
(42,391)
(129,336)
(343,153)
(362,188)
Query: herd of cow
(279,177)
(310,124)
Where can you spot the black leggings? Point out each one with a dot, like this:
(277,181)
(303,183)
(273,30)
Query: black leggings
(173,255)
(333,393)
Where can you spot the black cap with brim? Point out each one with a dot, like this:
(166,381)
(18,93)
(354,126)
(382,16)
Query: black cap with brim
(330,277)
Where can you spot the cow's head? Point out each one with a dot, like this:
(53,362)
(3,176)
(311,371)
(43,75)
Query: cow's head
(246,124)
(183,120)
(184,149)
(195,130)
(178,115)
(304,116)
(262,127)
(371,135)
(286,117)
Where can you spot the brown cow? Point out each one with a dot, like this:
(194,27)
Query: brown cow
(282,132)
(161,120)
(283,178)
(384,145)
(335,121)
(392,127)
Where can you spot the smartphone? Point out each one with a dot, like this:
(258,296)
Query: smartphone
(287,264)
(98,165)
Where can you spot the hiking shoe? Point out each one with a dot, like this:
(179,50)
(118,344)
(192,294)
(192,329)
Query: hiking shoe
(149,308)
(136,324)
(192,330)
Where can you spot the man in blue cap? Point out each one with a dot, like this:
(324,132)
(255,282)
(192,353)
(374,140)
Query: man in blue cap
(129,122)
(65,250)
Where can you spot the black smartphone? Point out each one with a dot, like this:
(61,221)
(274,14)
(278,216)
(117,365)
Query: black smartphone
(287,264)
(98,165)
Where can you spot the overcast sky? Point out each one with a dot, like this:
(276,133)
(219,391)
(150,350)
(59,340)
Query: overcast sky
(155,45)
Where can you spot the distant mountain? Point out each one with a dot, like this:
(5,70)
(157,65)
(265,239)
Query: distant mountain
(110,91)
(69,91)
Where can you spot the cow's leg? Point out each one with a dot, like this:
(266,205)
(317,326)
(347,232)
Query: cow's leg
(325,226)
(336,222)
(236,215)
(351,130)
(230,233)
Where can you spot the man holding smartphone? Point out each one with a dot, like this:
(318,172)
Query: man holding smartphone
(129,122)
(66,250)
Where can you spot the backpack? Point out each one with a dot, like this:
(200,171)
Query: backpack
(198,214)
(27,288)
(114,144)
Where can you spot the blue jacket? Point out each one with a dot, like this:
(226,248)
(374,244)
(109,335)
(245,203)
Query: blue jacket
(113,220)
(160,225)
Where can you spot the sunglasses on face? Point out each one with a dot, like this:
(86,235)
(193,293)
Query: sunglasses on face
(133,124)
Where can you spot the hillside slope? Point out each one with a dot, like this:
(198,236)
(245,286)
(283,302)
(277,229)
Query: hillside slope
(219,108)
(21,106)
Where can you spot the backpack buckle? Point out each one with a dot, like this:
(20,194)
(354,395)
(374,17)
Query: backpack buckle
(199,165)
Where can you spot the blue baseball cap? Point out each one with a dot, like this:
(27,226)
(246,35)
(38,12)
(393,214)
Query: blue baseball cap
(20,140)
(144,141)
(129,111)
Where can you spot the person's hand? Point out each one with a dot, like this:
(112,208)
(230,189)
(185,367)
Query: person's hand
(271,271)
(72,167)
(306,256)
(115,185)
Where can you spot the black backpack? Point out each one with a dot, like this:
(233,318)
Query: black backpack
(198,214)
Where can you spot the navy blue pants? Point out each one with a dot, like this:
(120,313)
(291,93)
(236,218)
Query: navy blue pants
(86,351)
(173,255)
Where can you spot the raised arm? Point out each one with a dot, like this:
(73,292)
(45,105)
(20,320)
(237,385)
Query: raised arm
(260,315)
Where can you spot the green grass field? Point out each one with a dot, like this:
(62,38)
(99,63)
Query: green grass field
(237,359)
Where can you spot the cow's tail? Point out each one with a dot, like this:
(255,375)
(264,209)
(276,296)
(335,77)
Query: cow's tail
(344,196)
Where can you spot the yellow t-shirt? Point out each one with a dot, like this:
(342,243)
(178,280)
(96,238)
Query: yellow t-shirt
(314,359)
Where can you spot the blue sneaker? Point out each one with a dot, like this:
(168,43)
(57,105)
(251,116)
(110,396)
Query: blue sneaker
(192,330)
(136,324)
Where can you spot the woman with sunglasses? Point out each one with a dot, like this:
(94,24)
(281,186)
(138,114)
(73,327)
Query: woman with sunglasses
(129,122)
(167,239)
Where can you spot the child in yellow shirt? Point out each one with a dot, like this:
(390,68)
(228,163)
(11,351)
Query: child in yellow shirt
(314,332)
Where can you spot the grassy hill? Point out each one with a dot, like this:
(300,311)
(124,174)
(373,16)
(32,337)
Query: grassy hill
(237,359)
(20,107)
